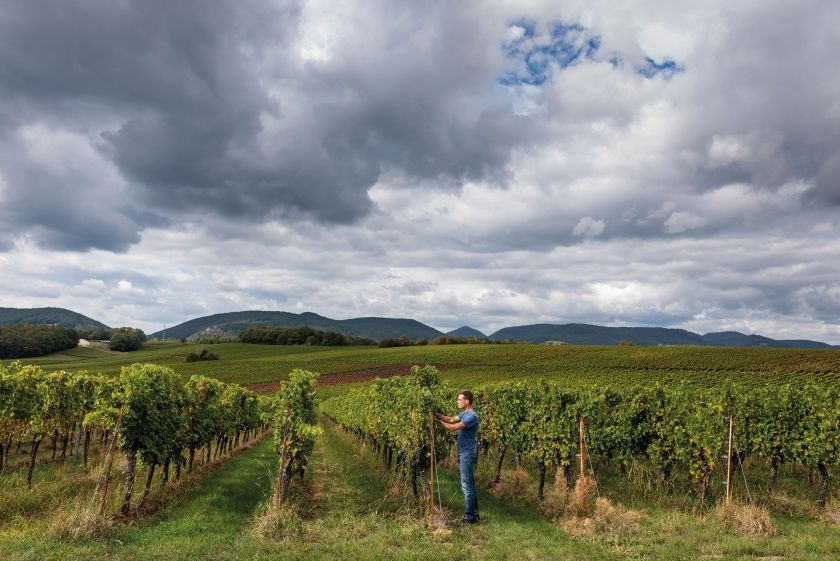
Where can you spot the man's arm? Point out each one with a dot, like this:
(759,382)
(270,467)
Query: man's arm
(453,426)
(446,419)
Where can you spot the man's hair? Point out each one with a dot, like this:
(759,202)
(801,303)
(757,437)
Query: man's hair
(467,395)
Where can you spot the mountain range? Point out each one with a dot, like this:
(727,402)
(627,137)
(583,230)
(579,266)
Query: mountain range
(378,328)
(584,334)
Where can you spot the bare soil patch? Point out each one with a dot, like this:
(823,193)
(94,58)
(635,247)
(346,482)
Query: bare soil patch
(352,376)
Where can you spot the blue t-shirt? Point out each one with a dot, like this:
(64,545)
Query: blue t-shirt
(467,435)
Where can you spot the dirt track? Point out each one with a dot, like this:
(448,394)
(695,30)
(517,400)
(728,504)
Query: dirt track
(352,376)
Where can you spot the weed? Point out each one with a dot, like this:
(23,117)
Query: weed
(585,490)
(277,522)
(607,519)
(746,519)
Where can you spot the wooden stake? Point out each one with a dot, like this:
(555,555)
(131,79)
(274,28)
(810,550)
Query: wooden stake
(729,466)
(582,451)
(431,466)
(111,451)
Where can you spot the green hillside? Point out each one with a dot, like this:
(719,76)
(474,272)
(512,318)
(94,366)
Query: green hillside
(49,316)
(234,323)
(584,334)
(466,331)
(378,328)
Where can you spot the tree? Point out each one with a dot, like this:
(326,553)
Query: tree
(126,339)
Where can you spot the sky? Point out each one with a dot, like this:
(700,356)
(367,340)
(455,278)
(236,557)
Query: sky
(490,164)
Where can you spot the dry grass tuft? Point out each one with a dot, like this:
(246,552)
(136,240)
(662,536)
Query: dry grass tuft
(584,494)
(746,519)
(398,489)
(277,523)
(615,518)
(608,518)
(81,521)
(441,522)
(512,485)
(832,512)
(557,500)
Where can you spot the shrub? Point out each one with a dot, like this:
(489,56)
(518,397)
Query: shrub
(201,356)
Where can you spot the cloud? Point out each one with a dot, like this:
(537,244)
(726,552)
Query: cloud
(96,284)
(458,163)
(588,227)
(62,193)
(679,222)
(206,108)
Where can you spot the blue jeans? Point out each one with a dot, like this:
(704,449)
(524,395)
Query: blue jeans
(467,463)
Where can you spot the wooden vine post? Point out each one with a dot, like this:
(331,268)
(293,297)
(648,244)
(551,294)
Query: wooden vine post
(582,451)
(729,466)
(431,467)
(111,451)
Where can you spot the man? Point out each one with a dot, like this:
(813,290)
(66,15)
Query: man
(467,426)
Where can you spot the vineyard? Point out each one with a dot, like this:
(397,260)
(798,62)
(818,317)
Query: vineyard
(152,416)
(645,426)
(674,430)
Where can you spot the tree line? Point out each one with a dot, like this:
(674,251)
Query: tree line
(405,341)
(266,335)
(22,340)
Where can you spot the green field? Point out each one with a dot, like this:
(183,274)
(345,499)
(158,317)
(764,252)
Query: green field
(347,509)
(470,365)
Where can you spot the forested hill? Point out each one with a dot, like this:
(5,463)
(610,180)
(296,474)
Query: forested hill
(377,328)
(49,316)
(466,331)
(584,334)
(234,323)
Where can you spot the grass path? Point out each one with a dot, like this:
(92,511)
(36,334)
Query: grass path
(362,522)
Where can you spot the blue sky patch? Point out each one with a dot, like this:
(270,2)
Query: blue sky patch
(666,68)
(566,45)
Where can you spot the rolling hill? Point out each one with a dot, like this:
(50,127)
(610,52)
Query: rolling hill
(234,323)
(378,328)
(466,331)
(49,316)
(585,334)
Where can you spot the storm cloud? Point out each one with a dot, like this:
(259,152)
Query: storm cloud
(212,107)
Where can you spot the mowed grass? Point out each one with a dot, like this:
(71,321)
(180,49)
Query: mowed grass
(472,365)
(347,510)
